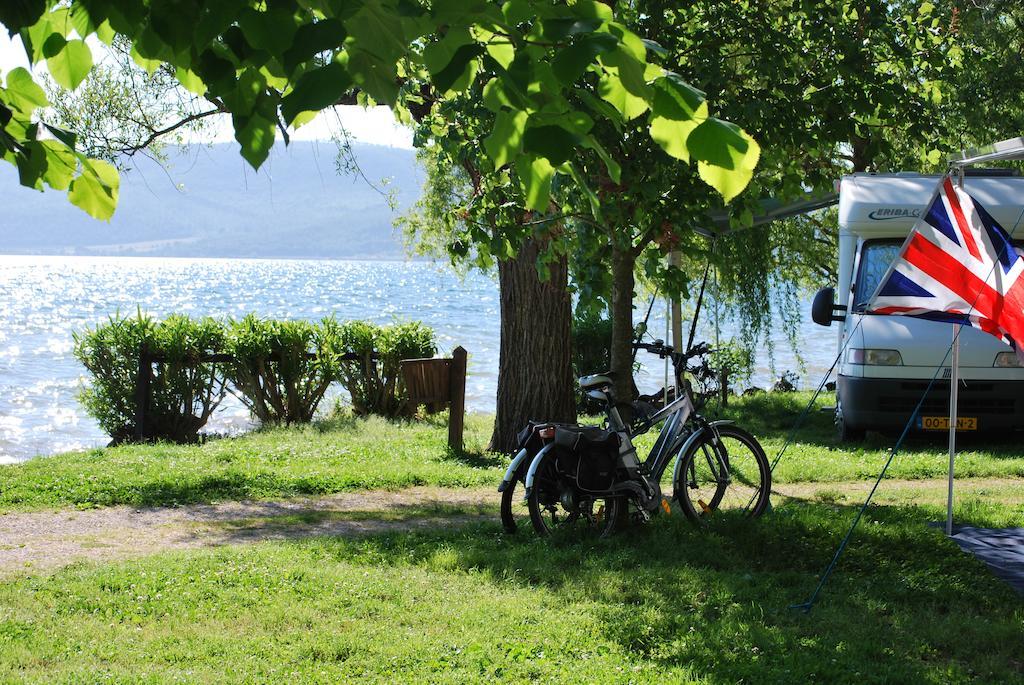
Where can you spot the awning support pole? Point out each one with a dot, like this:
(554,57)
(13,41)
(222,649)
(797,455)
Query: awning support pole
(954,391)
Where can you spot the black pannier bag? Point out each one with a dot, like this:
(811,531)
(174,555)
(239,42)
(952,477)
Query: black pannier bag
(529,436)
(588,454)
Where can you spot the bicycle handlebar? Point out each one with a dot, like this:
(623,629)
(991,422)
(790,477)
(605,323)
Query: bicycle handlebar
(659,348)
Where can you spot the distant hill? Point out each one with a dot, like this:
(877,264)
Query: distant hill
(210,203)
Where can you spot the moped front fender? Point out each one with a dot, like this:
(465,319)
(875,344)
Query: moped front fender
(510,473)
(692,438)
(532,472)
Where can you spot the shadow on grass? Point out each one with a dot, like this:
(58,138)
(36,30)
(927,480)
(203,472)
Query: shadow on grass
(477,459)
(905,604)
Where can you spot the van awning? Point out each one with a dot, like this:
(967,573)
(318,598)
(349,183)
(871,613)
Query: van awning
(771,210)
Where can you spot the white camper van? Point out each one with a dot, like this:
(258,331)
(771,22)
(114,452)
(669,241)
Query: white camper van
(888,361)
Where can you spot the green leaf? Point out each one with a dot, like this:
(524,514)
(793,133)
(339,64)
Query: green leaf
(303,118)
(272,30)
(95,190)
(256,136)
(501,50)
(374,75)
(570,63)
(506,140)
(718,142)
(593,9)
(458,74)
(730,181)
(518,11)
(216,18)
(22,92)
(439,53)
(70,64)
(190,81)
(311,39)
(612,90)
(31,162)
(535,178)
(215,71)
(613,167)
(655,47)
(496,96)
(61,164)
(672,135)
(563,27)
(676,99)
(552,142)
(105,33)
(67,137)
(250,87)
(18,14)
(81,20)
(624,83)
(316,90)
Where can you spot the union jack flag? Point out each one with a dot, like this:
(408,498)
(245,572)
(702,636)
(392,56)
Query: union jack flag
(957,265)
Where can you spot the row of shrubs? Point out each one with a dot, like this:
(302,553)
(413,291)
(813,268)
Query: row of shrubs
(280,370)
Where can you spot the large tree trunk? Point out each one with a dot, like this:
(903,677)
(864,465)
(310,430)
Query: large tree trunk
(623,261)
(535,366)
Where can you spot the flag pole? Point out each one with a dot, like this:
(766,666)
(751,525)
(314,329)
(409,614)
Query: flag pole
(954,392)
(954,389)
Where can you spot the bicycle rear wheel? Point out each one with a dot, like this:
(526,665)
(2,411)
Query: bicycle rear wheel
(514,509)
(726,471)
(555,505)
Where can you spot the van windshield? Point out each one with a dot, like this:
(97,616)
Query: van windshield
(875,258)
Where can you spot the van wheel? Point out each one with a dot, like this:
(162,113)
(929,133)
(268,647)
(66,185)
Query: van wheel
(845,431)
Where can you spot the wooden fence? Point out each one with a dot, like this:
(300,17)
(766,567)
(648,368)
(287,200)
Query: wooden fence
(436,383)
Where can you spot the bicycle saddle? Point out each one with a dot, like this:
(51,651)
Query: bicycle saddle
(597,380)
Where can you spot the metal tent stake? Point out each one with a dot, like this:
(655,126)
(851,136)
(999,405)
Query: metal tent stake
(954,391)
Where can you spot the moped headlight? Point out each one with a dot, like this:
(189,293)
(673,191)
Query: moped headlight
(1007,360)
(872,357)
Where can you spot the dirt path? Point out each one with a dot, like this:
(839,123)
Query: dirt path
(47,540)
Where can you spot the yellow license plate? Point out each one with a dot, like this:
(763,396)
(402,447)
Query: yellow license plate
(941,423)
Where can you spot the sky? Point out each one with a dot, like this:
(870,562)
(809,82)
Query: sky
(374,125)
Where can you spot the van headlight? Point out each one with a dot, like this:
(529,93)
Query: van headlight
(871,357)
(1007,360)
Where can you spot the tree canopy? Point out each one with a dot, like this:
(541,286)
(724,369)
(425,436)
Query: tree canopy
(272,64)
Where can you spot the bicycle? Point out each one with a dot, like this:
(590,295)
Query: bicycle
(590,476)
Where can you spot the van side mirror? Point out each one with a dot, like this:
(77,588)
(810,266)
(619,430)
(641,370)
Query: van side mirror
(823,307)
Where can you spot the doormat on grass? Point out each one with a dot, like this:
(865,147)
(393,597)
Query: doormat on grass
(1002,549)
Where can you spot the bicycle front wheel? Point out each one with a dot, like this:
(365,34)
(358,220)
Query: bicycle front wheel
(726,471)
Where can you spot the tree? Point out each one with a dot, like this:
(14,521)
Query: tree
(825,88)
(272,64)
(479,219)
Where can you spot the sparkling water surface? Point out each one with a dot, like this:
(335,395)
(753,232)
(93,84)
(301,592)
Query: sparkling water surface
(44,300)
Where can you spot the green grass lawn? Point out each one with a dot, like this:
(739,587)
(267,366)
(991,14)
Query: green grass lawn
(662,603)
(331,456)
(816,454)
(357,454)
(665,602)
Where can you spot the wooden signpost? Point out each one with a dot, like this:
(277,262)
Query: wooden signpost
(440,383)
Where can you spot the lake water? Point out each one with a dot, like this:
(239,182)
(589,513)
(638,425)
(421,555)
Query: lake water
(43,300)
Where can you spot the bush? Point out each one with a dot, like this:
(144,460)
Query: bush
(273,373)
(736,359)
(375,386)
(183,393)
